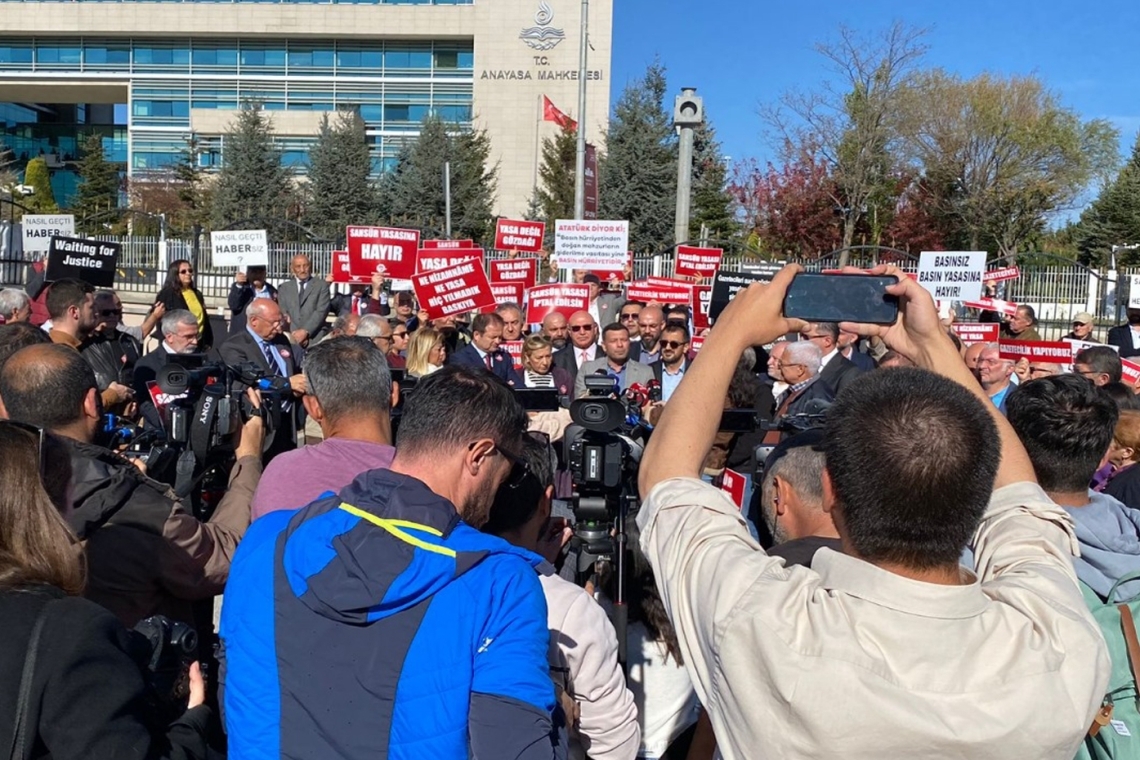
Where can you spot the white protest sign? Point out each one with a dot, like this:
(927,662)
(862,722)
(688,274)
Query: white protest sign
(239,248)
(591,244)
(1133,291)
(39,229)
(952,275)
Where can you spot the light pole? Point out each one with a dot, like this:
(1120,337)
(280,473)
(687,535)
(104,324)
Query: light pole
(580,158)
(688,114)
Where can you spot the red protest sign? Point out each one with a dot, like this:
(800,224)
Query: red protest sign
(562,298)
(448,244)
(695,343)
(1001,275)
(454,290)
(388,249)
(523,271)
(691,261)
(649,293)
(514,348)
(702,297)
(976,332)
(732,483)
(430,259)
(507,292)
(519,236)
(342,270)
(992,304)
(1131,372)
(1037,351)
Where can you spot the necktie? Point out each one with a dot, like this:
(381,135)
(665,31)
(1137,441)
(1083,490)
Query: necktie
(584,358)
(488,360)
(356,305)
(269,357)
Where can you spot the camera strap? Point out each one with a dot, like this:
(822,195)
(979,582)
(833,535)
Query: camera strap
(20,728)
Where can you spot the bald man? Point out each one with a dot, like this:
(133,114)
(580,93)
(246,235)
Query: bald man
(554,327)
(305,301)
(583,346)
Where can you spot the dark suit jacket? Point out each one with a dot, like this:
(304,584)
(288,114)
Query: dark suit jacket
(172,299)
(609,308)
(816,392)
(838,374)
(242,296)
(501,364)
(243,349)
(565,360)
(341,305)
(146,371)
(1120,336)
(861,360)
(306,311)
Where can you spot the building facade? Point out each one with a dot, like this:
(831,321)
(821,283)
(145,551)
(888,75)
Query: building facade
(148,74)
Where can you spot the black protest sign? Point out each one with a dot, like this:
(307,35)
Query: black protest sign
(92,261)
(726,284)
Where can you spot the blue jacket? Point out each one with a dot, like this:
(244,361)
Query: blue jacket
(502,366)
(377,624)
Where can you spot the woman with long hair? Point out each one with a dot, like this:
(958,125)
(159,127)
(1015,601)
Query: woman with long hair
(70,687)
(179,292)
(426,352)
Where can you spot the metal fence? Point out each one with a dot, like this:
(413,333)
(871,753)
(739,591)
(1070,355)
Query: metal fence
(1057,290)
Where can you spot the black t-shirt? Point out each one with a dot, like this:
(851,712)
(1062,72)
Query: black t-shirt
(1125,486)
(801,551)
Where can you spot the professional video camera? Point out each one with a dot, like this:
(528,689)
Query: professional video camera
(164,649)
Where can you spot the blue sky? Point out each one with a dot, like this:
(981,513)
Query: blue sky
(741,53)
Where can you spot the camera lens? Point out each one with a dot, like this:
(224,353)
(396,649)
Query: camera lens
(593,412)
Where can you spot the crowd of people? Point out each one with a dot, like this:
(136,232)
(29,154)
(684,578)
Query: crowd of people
(384,562)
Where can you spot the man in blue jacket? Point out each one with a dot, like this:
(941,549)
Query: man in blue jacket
(484,350)
(379,622)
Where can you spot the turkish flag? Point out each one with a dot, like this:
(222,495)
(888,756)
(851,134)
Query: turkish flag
(551,113)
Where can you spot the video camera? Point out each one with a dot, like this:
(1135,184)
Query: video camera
(164,649)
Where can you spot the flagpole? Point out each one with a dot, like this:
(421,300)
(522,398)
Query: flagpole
(537,126)
(580,160)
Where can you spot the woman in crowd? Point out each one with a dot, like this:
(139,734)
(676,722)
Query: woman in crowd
(426,352)
(179,293)
(1123,455)
(538,366)
(70,688)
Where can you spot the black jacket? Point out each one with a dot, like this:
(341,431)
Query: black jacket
(838,373)
(341,305)
(240,297)
(1121,337)
(243,349)
(112,357)
(87,697)
(172,299)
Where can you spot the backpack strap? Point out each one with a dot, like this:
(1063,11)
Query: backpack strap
(1127,578)
(20,728)
(1128,627)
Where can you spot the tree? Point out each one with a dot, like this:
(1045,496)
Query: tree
(712,204)
(252,182)
(850,123)
(99,184)
(1113,219)
(638,171)
(36,176)
(340,190)
(412,194)
(179,193)
(555,193)
(194,192)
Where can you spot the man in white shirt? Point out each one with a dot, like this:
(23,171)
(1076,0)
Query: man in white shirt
(889,649)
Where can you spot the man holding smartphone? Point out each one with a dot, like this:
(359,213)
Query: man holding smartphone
(767,646)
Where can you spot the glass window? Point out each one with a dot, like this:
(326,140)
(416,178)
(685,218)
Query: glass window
(395,113)
(205,57)
(348,59)
(100,56)
(16,54)
(253,58)
(275,57)
(466,60)
(300,59)
(161,56)
(180,109)
(446,59)
(323,59)
(396,59)
(372,113)
(419,59)
(372,59)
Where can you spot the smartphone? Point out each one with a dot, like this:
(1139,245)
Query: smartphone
(842,298)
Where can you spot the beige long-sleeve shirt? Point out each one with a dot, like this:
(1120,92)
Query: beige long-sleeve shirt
(846,660)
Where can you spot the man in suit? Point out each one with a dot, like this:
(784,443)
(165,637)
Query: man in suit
(674,362)
(359,300)
(616,363)
(179,336)
(1126,337)
(583,345)
(799,365)
(838,371)
(247,286)
(849,349)
(305,301)
(604,306)
(483,351)
(263,344)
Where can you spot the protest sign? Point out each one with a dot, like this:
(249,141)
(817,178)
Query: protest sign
(600,245)
(524,271)
(39,229)
(561,297)
(700,306)
(448,244)
(732,483)
(976,332)
(993,304)
(519,236)
(1058,352)
(507,292)
(342,270)
(767,269)
(691,261)
(430,259)
(88,260)
(390,250)
(696,343)
(1003,274)
(514,349)
(239,248)
(1131,372)
(646,292)
(454,290)
(1134,291)
(612,278)
(726,284)
(952,275)
(1081,345)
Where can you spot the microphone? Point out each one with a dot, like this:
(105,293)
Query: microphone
(654,390)
(638,394)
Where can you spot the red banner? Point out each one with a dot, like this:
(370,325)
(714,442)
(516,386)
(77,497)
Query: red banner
(1037,351)
(454,290)
(992,304)
(342,270)
(696,343)
(448,244)
(1131,374)
(519,236)
(732,483)
(609,275)
(648,293)
(507,292)
(524,271)
(702,296)
(976,332)
(691,261)
(390,250)
(431,259)
(514,348)
(561,297)
(1001,275)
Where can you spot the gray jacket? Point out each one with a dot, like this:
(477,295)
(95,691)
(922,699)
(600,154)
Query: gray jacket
(308,310)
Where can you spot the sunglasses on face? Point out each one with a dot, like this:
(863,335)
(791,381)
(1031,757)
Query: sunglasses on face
(185,271)
(581,328)
(628,317)
(672,344)
(111,312)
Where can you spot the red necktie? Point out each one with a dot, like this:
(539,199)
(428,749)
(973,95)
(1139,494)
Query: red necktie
(356,305)
(488,358)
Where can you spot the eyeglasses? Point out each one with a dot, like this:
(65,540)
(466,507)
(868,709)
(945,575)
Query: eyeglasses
(581,328)
(628,317)
(185,271)
(400,334)
(673,344)
(782,365)
(39,433)
(111,312)
(385,338)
